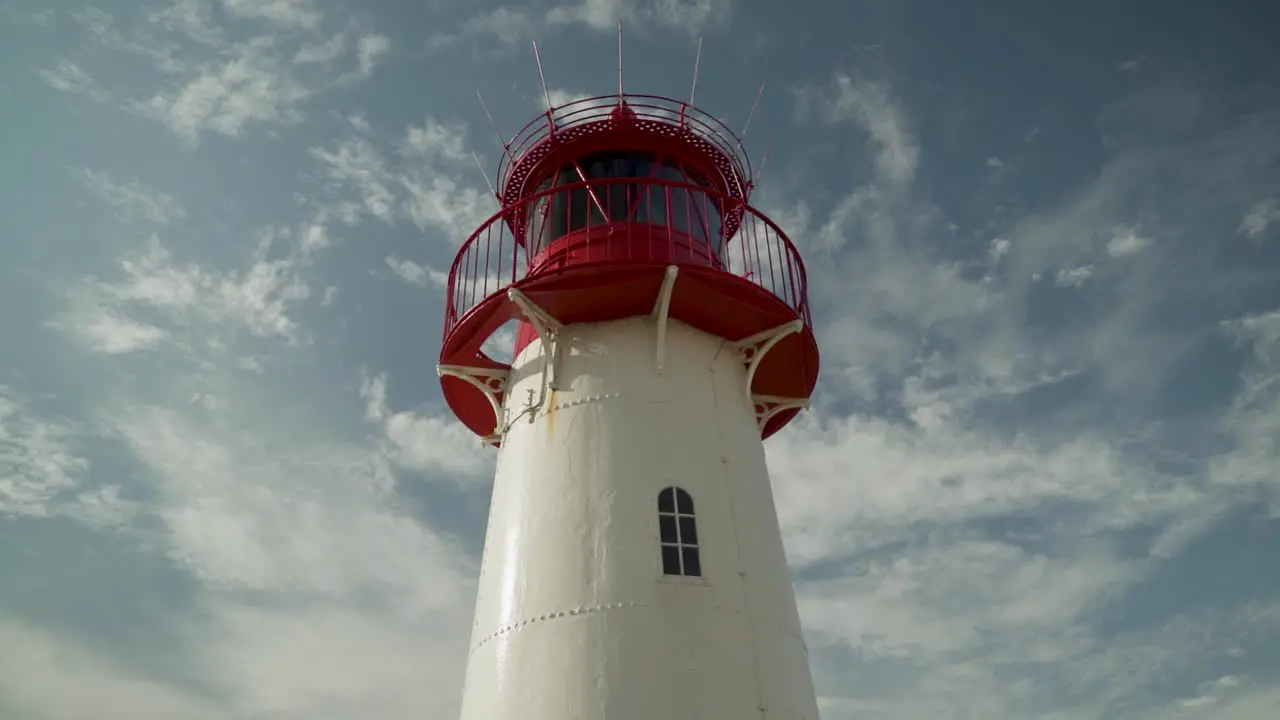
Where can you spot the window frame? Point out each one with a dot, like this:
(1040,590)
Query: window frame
(678,513)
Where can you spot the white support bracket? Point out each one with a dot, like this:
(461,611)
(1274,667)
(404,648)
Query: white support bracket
(766,406)
(755,348)
(489,381)
(547,327)
(661,308)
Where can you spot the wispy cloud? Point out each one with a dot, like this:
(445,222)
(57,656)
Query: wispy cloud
(512,25)
(37,460)
(1261,216)
(905,507)
(417,180)
(68,77)
(369,50)
(252,86)
(295,533)
(289,13)
(1126,242)
(158,300)
(132,199)
(416,274)
(1073,277)
(38,666)
(423,443)
(205,81)
(695,16)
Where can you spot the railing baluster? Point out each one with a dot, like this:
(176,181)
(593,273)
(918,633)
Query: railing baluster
(773,281)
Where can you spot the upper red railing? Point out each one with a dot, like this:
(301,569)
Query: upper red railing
(652,112)
(669,222)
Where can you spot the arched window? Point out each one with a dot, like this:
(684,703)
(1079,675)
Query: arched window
(678,533)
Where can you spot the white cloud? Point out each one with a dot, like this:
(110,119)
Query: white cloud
(369,49)
(1262,215)
(158,300)
(600,15)
(855,483)
(1223,702)
(223,69)
(43,18)
(871,106)
(921,483)
(324,52)
(930,603)
(416,274)
(252,86)
(1253,420)
(245,515)
(694,16)
(290,13)
(104,330)
(440,203)
(510,26)
(132,199)
(355,165)
(1073,277)
(419,186)
(561,97)
(513,26)
(37,460)
(46,675)
(436,153)
(434,140)
(424,442)
(1125,242)
(262,296)
(333,663)
(319,595)
(68,77)
(45,471)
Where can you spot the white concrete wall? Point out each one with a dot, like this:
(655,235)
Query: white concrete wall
(574,619)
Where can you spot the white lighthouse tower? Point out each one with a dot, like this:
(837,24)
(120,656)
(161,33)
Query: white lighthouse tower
(633,567)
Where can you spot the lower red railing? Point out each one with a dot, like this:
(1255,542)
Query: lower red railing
(615,221)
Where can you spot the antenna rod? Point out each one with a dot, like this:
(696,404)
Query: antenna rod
(620,61)
(751,185)
(545,92)
(485,175)
(697,61)
(750,115)
(492,124)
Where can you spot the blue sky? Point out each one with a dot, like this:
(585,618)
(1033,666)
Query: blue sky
(1040,476)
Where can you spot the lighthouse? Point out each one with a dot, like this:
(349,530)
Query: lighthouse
(633,564)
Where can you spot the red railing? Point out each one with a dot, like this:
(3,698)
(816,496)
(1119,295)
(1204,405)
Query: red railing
(646,108)
(665,221)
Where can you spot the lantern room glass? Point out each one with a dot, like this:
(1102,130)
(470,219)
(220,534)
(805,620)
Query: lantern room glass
(681,209)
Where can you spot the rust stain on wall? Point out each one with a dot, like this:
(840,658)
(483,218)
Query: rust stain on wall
(552,402)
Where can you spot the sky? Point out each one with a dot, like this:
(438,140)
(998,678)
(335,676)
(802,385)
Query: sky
(1039,477)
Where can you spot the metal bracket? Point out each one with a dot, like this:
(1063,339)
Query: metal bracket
(756,347)
(489,381)
(661,308)
(548,329)
(766,406)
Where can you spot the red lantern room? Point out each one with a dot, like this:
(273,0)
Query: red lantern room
(622,206)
